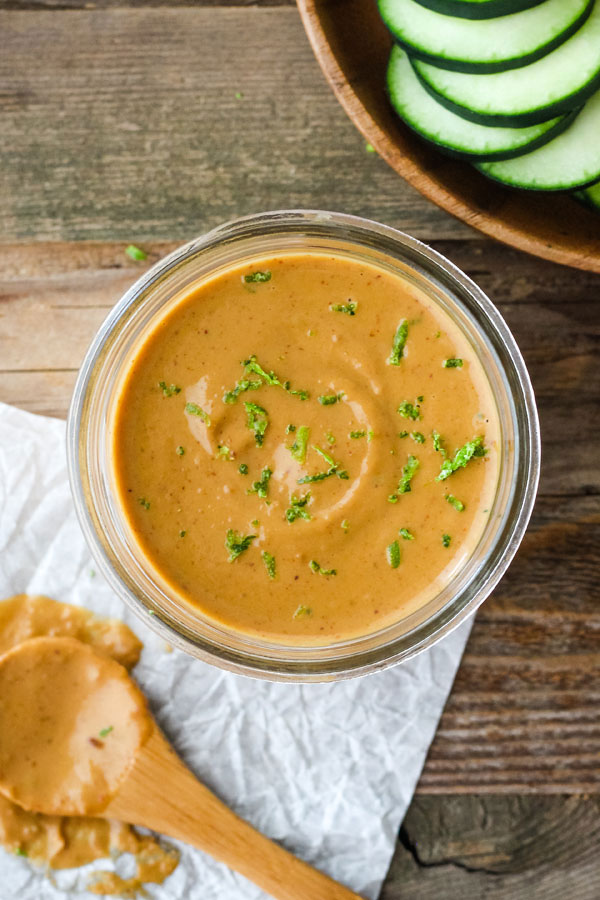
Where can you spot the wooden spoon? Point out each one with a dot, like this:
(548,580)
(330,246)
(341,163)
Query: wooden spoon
(77,738)
(162,794)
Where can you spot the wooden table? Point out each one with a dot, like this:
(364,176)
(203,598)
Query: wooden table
(150,121)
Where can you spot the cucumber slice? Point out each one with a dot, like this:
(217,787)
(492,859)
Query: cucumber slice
(555,84)
(590,197)
(463,45)
(452,133)
(569,161)
(478,9)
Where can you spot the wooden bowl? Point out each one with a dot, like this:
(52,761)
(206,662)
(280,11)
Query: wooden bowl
(352,46)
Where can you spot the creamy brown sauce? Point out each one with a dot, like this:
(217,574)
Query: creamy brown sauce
(71,724)
(33,615)
(178,448)
(61,841)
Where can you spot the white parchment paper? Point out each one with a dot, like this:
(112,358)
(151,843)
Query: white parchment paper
(327,770)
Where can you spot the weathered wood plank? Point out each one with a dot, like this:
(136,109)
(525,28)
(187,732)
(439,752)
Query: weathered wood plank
(131,128)
(501,848)
(523,712)
(20,5)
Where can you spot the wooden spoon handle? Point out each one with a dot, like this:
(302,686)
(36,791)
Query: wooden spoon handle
(162,794)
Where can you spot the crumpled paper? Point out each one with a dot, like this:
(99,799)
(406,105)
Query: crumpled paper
(326,769)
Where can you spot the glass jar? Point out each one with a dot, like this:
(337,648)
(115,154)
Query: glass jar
(102,520)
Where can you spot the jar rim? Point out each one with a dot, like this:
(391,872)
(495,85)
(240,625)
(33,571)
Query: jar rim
(315,663)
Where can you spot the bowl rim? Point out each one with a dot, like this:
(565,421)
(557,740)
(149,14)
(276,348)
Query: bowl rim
(520,219)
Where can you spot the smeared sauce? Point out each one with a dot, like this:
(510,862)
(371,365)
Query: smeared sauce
(63,842)
(278,430)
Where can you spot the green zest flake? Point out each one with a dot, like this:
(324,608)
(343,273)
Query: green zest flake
(261,487)
(453,363)
(334,469)
(270,563)
(417,437)
(437,443)
(393,554)
(182,534)
(257,420)
(408,472)
(370,436)
(298,448)
(169,390)
(438,334)
(297,508)
(330,438)
(241,387)
(257,277)
(316,568)
(398,344)
(223,452)
(179,451)
(330,399)
(194,410)
(345,526)
(255,523)
(349,308)
(446,540)
(408,411)
(289,429)
(406,535)
(369,148)
(20,852)
(457,504)
(238,95)
(402,434)
(471,450)
(243,469)
(252,365)
(302,611)
(105,731)
(143,502)
(135,253)
(237,543)
(357,434)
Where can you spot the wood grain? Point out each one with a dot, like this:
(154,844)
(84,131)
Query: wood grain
(522,715)
(353,48)
(151,796)
(501,848)
(131,128)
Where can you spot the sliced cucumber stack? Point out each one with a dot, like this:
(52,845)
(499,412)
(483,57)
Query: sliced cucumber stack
(478,9)
(451,132)
(512,86)
(571,160)
(493,45)
(553,85)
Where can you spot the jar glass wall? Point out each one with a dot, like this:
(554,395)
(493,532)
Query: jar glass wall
(89,444)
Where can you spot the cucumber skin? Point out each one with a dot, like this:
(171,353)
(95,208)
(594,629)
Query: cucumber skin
(567,104)
(571,188)
(559,189)
(457,65)
(494,157)
(584,198)
(488,10)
